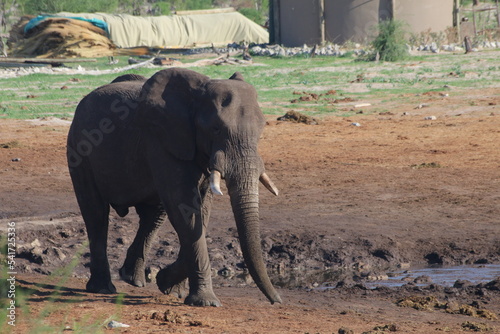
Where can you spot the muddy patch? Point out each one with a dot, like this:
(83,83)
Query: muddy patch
(297,117)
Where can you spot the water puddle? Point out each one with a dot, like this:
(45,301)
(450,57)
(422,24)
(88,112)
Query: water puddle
(445,276)
(328,279)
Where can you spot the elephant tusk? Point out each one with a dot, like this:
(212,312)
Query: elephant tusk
(266,181)
(215,178)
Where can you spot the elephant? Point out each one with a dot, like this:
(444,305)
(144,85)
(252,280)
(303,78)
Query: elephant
(164,145)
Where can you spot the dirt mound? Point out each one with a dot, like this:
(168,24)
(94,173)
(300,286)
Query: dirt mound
(297,117)
(60,37)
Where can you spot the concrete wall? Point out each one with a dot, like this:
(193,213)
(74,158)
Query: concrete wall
(421,15)
(352,20)
(298,22)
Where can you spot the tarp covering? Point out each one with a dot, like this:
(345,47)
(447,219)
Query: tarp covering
(35,21)
(179,31)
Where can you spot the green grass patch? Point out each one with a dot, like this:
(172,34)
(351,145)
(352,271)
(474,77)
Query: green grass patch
(57,95)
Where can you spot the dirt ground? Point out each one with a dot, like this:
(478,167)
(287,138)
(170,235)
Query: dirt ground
(397,191)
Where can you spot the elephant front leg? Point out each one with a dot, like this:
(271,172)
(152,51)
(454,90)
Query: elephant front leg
(172,280)
(200,279)
(189,218)
(133,269)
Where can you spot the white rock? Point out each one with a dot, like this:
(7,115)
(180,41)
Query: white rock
(115,324)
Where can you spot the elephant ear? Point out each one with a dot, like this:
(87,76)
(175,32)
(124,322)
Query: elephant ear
(165,111)
(237,76)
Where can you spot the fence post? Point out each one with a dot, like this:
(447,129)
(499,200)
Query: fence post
(456,18)
(474,19)
(498,14)
(393,9)
(274,22)
(322,20)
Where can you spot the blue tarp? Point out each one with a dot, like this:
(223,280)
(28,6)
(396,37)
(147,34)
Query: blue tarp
(34,22)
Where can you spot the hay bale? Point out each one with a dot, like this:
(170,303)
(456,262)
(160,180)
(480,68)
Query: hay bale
(59,37)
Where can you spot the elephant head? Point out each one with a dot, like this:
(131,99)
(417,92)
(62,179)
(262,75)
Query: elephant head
(216,124)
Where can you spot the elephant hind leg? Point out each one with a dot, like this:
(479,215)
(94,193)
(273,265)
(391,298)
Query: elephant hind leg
(151,218)
(95,213)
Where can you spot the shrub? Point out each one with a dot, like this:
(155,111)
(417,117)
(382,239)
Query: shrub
(254,15)
(390,43)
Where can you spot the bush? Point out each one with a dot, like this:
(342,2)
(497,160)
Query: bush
(36,7)
(254,15)
(390,43)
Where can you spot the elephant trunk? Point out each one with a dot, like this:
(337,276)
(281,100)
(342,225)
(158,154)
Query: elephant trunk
(245,203)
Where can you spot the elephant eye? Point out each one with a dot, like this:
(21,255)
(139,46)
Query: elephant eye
(226,101)
(216,131)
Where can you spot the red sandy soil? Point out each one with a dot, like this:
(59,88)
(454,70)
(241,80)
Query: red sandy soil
(398,190)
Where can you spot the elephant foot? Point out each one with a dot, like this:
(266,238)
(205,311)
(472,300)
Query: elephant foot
(100,286)
(136,277)
(172,281)
(202,298)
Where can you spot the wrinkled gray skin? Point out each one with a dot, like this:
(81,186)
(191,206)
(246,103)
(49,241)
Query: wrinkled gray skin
(153,145)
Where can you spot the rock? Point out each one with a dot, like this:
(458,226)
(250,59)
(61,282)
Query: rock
(256,50)
(424,279)
(476,327)
(493,285)
(36,243)
(226,272)
(218,256)
(460,284)
(355,124)
(404,265)
(386,328)
(57,252)
(267,244)
(423,105)
(430,118)
(151,273)
(381,277)
(345,330)
(115,324)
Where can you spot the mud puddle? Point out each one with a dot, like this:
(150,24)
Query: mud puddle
(444,276)
(330,279)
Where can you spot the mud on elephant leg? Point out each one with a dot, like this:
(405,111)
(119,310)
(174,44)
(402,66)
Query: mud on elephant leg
(133,269)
